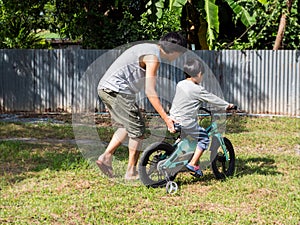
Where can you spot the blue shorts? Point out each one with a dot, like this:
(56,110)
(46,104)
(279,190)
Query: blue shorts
(198,133)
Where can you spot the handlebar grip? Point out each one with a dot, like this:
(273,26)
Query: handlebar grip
(235,107)
(177,127)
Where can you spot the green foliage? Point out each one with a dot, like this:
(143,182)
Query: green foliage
(262,26)
(292,34)
(209,9)
(212,20)
(156,8)
(21,23)
(161,17)
(129,29)
(153,30)
(177,5)
(242,13)
(229,24)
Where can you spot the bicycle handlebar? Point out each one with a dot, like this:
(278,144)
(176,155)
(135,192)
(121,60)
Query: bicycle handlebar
(205,109)
(177,126)
(235,107)
(210,112)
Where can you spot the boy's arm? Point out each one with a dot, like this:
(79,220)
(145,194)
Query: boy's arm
(208,97)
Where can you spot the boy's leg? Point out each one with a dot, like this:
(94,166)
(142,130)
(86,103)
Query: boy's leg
(203,142)
(196,157)
(193,164)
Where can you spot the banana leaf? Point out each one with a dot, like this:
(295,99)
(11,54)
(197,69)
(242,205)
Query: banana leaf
(212,19)
(246,18)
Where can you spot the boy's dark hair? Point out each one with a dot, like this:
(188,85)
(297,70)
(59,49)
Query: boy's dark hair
(193,67)
(173,42)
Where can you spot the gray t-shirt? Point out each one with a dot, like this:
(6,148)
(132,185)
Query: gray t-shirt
(187,100)
(125,75)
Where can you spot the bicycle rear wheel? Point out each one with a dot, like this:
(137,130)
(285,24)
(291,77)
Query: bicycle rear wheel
(148,165)
(221,167)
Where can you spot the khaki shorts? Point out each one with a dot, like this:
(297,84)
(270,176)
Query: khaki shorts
(124,110)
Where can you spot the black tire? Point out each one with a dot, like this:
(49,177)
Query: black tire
(148,172)
(220,167)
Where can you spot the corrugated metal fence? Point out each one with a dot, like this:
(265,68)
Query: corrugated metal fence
(259,81)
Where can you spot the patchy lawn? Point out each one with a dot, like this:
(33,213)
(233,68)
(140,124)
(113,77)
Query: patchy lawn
(51,183)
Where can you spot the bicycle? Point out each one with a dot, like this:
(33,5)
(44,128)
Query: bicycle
(161,161)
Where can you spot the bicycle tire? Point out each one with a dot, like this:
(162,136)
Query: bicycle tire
(147,168)
(220,167)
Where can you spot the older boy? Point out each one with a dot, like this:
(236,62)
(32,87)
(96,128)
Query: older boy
(135,70)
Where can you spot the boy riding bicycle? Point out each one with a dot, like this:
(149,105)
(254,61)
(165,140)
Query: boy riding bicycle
(187,100)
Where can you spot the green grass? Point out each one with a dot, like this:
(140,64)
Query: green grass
(51,183)
(36,130)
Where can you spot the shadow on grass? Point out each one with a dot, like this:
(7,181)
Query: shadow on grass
(18,159)
(36,130)
(256,165)
(236,124)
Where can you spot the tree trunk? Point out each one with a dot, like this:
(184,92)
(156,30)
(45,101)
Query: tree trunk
(280,34)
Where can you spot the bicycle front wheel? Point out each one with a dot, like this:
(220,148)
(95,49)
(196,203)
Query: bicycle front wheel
(149,161)
(221,167)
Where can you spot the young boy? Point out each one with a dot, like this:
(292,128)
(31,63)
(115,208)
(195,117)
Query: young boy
(187,100)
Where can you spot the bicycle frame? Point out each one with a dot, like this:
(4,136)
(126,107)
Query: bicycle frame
(184,148)
(213,131)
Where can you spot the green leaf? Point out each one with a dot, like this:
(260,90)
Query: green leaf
(160,4)
(246,19)
(212,19)
(176,4)
(264,2)
(159,8)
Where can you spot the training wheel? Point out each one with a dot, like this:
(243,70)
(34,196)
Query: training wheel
(171,187)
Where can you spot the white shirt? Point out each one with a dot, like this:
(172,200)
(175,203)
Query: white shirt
(188,98)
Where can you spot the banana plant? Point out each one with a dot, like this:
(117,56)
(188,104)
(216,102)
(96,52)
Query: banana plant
(156,7)
(211,17)
(242,13)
